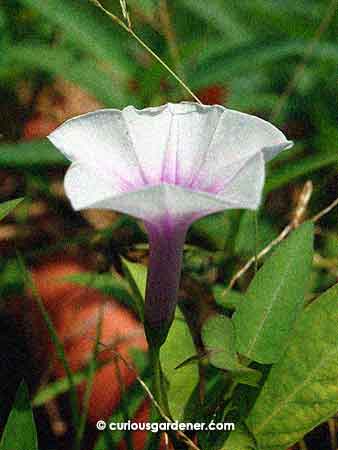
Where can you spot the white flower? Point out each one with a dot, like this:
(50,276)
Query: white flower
(168,166)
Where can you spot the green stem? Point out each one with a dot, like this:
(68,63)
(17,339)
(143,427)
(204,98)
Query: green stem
(145,46)
(158,388)
(177,78)
(256,241)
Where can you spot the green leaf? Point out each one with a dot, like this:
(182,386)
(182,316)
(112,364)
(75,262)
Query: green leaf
(218,337)
(136,275)
(20,431)
(240,439)
(330,245)
(216,387)
(274,298)
(247,375)
(177,348)
(195,359)
(7,207)
(138,272)
(301,389)
(228,300)
(28,154)
(245,238)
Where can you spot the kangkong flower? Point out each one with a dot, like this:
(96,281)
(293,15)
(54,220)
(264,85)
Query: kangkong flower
(169,166)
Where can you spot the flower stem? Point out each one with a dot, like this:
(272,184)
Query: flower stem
(166,240)
(158,386)
(165,260)
(256,237)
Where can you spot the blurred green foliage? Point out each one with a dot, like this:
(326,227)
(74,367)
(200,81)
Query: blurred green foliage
(251,49)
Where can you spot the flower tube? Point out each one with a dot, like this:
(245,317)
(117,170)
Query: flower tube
(168,166)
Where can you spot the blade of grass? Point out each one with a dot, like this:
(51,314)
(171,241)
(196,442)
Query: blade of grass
(89,381)
(124,405)
(7,207)
(61,386)
(54,337)
(38,152)
(58,387)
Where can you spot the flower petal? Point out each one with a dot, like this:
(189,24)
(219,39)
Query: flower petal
(85,188)
(198,146)
(150,131)
(271,151)
(101,141)
(237,137)
(245,189)
(186,144)
(152,204)
(171,139)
